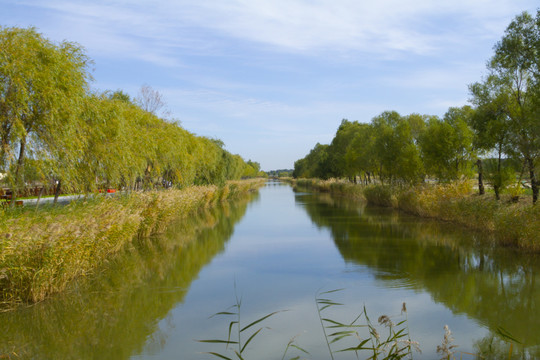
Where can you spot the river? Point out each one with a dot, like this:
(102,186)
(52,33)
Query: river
(275,251)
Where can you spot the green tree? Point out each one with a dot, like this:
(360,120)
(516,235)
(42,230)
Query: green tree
(497,175)
(515,79)
(446,145)
(396,154)
(119,95)
(315,164)
(41,87)
(337,161)
(360,152)
(417,123)
(491,126)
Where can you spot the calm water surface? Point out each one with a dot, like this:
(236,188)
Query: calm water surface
(275,251)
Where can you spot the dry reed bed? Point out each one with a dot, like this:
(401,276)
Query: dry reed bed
(514,224)
(42,251)
(333,186)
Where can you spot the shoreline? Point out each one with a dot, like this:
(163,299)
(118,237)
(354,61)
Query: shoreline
(511,224)
(42,251)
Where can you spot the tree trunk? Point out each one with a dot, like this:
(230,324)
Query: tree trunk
(499,179)
(20,160)
(18,167)
(5,148)
(480,178)
(534,184)
(39,197)
(147,180)
(57,191)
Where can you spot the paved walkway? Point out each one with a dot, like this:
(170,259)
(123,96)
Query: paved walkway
(64,199)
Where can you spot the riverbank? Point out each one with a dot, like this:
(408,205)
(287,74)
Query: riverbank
(511,223)
(42,251)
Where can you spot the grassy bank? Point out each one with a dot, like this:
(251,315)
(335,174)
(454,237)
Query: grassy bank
(343,188)
(117,306)
(511,223)
(42,251)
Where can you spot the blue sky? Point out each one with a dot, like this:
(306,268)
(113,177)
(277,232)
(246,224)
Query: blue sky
(273,78)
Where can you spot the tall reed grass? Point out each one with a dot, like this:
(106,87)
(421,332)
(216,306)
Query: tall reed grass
(334,186)
(515,224)
(511,223)
(41,251)
(388,338)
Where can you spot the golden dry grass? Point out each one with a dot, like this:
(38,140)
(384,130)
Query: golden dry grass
(515,224)
(42,251)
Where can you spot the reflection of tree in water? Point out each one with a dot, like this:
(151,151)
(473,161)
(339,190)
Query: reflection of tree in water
(494,348)
(114,314)
(495,286)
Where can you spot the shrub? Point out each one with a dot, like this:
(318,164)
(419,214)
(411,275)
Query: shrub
(382,195)
(519,225)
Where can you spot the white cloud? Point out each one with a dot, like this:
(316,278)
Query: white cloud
(286,70)
(376,27)
(349,25)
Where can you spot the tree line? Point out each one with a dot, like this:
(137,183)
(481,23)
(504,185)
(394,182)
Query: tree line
(280,173)
(55,130)
(497,136)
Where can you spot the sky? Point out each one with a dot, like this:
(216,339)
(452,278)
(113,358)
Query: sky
(273,78)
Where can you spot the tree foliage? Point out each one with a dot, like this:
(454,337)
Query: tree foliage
(502,128)
(385,148)
(446,144)
(54,129)
(509,96)
(41,85)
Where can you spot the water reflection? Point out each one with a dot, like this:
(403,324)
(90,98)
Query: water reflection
(117,313)
(279,256)
(495,286)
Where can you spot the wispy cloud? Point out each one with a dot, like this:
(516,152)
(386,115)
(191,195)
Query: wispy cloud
(263,117)
(257,72)
(376,27)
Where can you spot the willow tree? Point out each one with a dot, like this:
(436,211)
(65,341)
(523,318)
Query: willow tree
(514,83)
(491,126)
(360,152)
(251,169)
(337,160)
(446,144)
(395,152)
(315,164)
(111,154)
(41,86)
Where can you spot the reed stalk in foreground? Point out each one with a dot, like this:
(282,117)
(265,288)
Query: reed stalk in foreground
(371,344)
(241,333)
(397,345)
